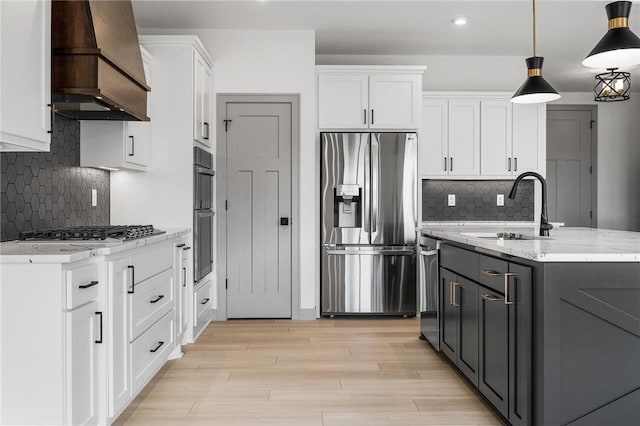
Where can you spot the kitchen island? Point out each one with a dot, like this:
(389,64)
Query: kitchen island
(546,328)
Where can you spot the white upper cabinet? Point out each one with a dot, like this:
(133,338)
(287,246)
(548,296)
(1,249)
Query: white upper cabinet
(433,143)
(202,96)
(25,75)
(496,158)
(119,144)
(462,136)
(529,139)
(376,98)
(394,100)
(343,101)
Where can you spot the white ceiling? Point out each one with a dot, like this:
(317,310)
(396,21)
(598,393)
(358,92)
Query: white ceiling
(566,30)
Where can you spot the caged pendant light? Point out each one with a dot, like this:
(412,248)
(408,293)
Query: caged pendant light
(535,89)
(619,47)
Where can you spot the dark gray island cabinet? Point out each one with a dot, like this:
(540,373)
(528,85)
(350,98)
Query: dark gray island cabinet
(546,343)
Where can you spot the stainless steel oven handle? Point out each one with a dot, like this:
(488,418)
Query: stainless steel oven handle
(428,253)
(204,171)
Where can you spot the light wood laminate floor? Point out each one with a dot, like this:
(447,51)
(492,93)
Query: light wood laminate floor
(329,372)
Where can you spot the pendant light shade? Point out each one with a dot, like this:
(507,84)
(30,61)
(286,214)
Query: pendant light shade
(619,47)
(535,89)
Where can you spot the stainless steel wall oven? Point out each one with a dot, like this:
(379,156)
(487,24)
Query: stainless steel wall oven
(203,214)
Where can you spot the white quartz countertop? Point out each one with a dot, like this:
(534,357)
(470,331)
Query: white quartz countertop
(60,252)
(563,244)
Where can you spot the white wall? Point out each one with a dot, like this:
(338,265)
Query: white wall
(280,62)
(618,160)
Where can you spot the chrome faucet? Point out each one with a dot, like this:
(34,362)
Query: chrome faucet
(545,226)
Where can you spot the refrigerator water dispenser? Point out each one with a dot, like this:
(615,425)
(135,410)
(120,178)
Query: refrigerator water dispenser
(347,206)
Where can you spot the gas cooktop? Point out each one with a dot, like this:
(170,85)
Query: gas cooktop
(91,233)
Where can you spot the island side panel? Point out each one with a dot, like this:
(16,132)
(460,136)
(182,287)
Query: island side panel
(588,319)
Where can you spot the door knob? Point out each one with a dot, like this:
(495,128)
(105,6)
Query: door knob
(284,221)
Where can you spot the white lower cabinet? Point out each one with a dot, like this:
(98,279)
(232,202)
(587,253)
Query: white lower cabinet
(201,307)
(183,286)
(82,364)
(141,304)
(118,365)
(150,350)
(98,330)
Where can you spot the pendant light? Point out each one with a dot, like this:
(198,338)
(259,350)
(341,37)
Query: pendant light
(619,47)
(535,89)
(612,86)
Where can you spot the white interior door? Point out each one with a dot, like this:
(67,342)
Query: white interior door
(258,146)
(568,167)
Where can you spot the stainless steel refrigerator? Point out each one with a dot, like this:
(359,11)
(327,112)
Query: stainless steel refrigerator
(368,202)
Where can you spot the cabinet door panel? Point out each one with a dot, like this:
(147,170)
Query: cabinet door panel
(433,143)
(198,97)
(466,297)
(494,349)
(82,368)
(394,101)
(529,138)
(520,345)
(464,137)
(449,317)
(137,143)
(343,101)
(25,75)
(119,385)
(495,134)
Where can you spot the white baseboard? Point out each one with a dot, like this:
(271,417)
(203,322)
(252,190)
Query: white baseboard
(307,314)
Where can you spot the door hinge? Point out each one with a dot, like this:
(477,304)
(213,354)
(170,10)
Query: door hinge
(226,124)
(591,124)
(226,284)
(226,204)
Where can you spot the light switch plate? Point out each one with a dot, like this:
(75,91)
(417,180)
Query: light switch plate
(451,200)
(94,197)
(500,200)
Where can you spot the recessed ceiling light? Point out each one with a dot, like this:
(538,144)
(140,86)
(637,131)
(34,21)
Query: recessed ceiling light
(459,20)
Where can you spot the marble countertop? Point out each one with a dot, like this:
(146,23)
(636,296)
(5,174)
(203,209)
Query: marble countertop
(54,252)
(563,244)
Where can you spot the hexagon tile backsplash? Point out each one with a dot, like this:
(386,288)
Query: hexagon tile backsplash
(476,200)
(49,189)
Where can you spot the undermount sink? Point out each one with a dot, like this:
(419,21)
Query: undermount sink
(511,236)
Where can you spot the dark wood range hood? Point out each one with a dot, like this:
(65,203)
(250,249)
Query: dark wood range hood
(96,65)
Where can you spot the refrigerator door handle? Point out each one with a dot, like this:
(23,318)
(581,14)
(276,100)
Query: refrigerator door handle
(388,251)
(375,160)
(366,211)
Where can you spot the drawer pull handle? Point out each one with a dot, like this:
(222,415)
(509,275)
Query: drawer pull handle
(91,284)
(491,298)
(181,245)
(99,340)
(506,288)
(157,347)
(186,248)
(205,301)
(157,299)
(491,273)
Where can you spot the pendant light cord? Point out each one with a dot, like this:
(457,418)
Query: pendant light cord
(534,28)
